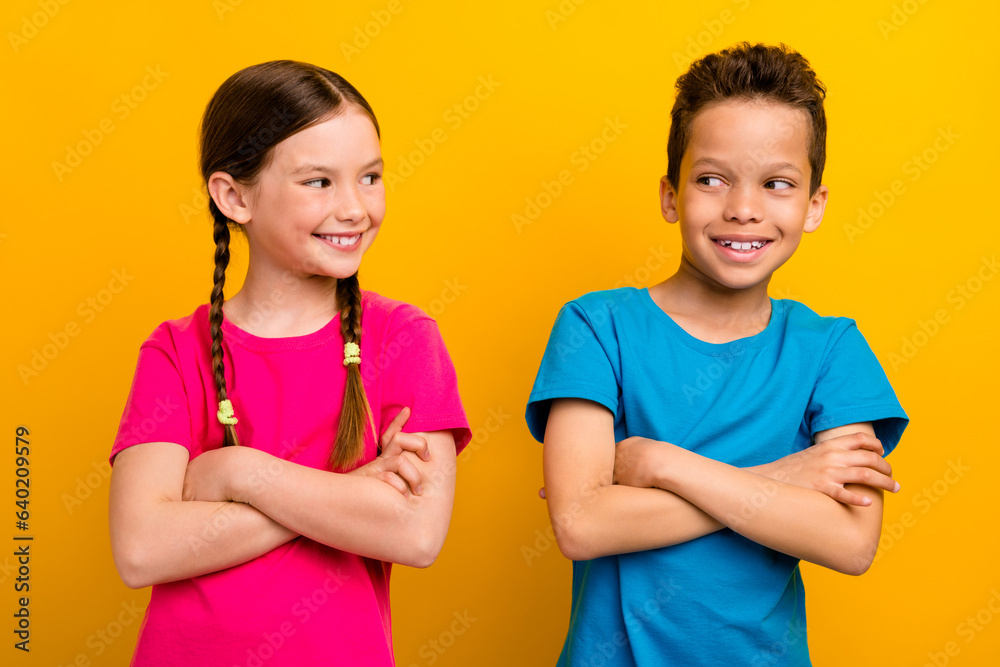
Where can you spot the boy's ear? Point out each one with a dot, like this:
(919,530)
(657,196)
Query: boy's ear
(230,196)
(668,201)
(817,204)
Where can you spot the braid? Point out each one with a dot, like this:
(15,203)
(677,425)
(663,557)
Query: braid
(220,233)
(355,414)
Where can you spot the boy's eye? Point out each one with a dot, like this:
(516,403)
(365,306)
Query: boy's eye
(370,179)
(777,185)
(316,183)
(711,181)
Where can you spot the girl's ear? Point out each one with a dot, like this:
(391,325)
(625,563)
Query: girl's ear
(817,205)
(230,196)
(668,201)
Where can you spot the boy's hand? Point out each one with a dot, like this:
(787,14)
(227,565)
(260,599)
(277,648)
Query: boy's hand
(830,465)
(633,462)
(393,465)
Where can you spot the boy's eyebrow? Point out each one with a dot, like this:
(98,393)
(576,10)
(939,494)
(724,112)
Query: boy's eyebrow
(777,166)
(302,169)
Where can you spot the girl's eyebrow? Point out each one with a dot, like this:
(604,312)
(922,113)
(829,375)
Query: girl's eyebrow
(305,168)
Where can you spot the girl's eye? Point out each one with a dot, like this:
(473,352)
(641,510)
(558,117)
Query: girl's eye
(711,181)
(370,179)
(316,183)
(777,185)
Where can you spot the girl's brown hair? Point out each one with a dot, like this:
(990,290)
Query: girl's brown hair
(252,112)
(748,72)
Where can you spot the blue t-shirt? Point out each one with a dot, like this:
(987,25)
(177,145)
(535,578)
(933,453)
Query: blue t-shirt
(720,599)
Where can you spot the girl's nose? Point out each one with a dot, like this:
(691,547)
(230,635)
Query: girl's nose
(348,205)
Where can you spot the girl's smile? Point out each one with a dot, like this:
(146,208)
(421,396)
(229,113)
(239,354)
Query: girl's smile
(319,203)
(347,243)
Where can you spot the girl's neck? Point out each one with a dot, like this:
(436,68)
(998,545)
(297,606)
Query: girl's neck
(710,312)
(283,306)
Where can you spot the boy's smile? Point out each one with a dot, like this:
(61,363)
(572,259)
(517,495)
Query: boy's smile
(743,198)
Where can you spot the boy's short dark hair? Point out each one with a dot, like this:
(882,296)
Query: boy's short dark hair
(748,72)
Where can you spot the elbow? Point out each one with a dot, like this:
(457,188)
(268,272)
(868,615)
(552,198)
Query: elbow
(424,543)
(860,562)
(131,568)
(135,562)
(576,537)
(856,555)
(423,555)
(574,541)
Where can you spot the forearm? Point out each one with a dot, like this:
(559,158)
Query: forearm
(591,515)
(358,513)
(168,540)
(797,521)
(615,519)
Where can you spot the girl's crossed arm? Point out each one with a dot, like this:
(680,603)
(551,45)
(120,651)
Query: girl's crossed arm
(358,512)
(155,537)
(161,530)
(695,496)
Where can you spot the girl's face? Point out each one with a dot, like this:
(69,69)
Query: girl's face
(319,203)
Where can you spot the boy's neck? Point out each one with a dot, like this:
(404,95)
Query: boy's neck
(713,313)
(281,307)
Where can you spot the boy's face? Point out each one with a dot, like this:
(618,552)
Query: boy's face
(744,183)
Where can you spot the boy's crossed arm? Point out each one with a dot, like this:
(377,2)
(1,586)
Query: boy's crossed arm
(791,505)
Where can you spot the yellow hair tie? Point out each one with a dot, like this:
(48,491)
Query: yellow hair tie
(352,354)
(225,413)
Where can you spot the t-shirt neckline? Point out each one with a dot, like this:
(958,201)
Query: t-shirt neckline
(755,341)
(233,334)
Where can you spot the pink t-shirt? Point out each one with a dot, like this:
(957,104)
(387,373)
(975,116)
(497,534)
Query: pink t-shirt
(303,603)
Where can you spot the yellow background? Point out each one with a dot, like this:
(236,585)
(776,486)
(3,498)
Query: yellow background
(907,79)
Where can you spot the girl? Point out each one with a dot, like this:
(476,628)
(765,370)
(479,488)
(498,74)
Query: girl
(278,547)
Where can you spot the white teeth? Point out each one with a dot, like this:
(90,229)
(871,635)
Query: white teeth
(340,240)
(743,245)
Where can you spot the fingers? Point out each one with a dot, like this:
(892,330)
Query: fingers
(861,441)
(870,478)
(866,467)
(400,473)
(847,497)
(395,426)
(409,473)
(411,442)
(394,441)
(394,480)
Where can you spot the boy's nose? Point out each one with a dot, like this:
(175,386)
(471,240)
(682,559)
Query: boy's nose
(743,205)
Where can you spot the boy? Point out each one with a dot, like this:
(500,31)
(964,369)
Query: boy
(750,430)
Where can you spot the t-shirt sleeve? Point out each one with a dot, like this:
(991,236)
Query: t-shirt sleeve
(156,409)
(418,373)
(853,388)
(575,365)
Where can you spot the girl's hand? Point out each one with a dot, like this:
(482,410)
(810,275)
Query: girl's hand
(830,465)
(394,441)
(212,475)
(394,465)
